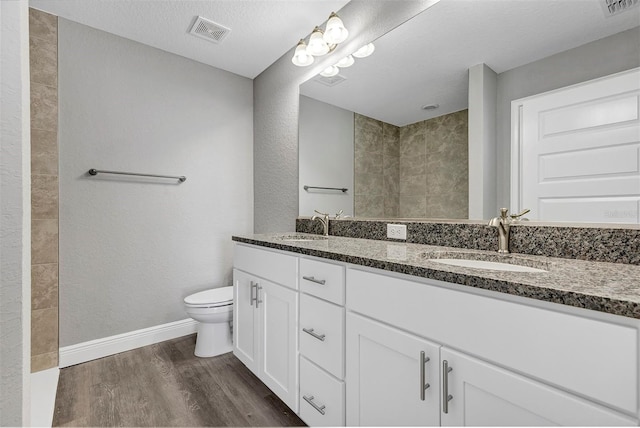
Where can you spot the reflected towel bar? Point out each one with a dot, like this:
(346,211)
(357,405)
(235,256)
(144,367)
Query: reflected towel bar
(94,171)
(342,189)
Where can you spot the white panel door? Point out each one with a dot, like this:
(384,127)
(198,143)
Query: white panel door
(245,332)
(387,370)
(576,152)
(279,341)
(485,395)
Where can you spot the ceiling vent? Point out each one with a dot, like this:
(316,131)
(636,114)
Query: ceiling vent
(615,7)
(330,81)
(209,30)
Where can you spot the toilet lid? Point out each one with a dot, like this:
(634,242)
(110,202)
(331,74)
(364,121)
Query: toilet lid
(222,295)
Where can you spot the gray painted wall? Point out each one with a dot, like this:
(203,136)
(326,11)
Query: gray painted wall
(596,59)
(276,103)
(132,249)
(15,212)
(326,157)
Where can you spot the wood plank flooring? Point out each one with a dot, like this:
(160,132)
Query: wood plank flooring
(166,385)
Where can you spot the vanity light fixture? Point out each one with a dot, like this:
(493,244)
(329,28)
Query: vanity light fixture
(364,51)
(345,62)
(320,42)
(330,71)
(348,60)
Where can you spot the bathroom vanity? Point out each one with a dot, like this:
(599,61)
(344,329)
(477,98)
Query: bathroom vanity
(353,331)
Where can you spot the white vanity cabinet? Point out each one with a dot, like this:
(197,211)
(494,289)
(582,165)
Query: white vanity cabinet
(349,345)
(393,376)
(499,362)
(483,394)
(265,318)
(322,327)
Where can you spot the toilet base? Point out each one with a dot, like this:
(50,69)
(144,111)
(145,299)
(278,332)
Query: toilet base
(213,339)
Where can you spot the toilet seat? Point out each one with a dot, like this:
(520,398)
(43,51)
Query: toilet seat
(213,298)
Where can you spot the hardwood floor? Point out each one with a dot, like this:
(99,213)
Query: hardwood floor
(166,385)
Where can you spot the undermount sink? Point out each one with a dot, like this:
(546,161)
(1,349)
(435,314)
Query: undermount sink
(497,262)
(301,238)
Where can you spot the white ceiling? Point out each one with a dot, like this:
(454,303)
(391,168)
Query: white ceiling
(261,30)
(425,60)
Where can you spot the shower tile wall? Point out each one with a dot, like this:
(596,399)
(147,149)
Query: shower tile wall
(376,168)
(43,55)
(434,168)
(415,171)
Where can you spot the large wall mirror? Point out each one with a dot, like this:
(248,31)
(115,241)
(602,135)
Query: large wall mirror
(393,128)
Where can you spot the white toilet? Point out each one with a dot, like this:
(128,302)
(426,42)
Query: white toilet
(213,309)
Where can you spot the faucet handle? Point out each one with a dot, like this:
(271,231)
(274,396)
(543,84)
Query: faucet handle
(523,212)
(503,212)
(339,214)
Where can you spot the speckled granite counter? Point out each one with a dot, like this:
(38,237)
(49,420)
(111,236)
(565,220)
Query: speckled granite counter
(606,287)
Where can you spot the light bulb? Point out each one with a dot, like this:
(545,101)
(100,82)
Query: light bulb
(330,71)
(317,45)
(364,51)
(301,57)
(345,62)
(335,32)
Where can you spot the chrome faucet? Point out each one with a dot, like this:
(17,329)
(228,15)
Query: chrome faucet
(503,223)
(324,220)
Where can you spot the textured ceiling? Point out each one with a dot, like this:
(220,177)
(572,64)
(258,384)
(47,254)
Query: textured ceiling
(261,30)
(425,60)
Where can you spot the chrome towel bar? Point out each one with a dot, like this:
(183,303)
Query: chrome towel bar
(342,189)
(94,171)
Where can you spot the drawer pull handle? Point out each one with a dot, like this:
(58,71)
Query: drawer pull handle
(310,331)
(253,299)
(446,397)
(312,279)
(423,374)
(309,400)
(258,288)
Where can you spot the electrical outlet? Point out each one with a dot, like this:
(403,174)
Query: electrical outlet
(397,231)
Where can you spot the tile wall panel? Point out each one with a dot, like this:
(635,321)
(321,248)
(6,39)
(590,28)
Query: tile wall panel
(43,58)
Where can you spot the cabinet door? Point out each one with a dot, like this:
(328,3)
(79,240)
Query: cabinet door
(485,395)
(278,308)
(246,343)
(386,370)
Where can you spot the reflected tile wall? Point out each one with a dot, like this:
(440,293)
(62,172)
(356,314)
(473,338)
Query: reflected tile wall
(376,169)
(415,171)
(434,168)
(43,58)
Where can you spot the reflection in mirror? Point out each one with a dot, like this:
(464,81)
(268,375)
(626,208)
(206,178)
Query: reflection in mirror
(411,162)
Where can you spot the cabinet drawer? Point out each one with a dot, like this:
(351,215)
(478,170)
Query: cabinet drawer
(325,280)
(276,267)
(594,358)
(322,334)
(326,394)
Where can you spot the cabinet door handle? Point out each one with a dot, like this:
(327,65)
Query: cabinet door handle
(445,386)
(310,331)
(312,279)
(309,400)
(258,288)
(423,374)
(253,286)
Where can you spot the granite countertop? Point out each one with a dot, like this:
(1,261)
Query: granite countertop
(606,287)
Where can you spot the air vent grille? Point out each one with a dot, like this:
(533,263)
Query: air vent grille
(330,81)
(209,30)
(615,7)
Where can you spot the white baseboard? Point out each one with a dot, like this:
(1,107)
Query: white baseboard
(87,351)
(44,385)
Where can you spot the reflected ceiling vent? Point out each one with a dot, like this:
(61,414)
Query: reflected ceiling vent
(616,7)
(330,81)
(209,30)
